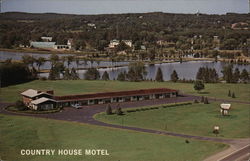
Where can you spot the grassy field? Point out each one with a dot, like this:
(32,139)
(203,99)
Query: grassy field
(64,87)
(18,133)
(194,119)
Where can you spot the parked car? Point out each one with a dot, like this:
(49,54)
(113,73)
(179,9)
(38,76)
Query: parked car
(77,106)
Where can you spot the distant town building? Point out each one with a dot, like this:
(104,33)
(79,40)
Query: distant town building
(216,42)
(165,43)
(128,42)
(48,44)
(91,25)
(46,39)
(43,45)
(114,43)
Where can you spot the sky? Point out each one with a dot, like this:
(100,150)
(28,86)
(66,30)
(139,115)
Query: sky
(126,6)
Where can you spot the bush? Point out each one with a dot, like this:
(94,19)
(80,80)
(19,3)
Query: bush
(206,101)
(202,99)
(119,111)
(20,106)
(196,101)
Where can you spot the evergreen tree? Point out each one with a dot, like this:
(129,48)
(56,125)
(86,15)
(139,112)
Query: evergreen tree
(105,76)
(228,73)
(67,75)
(92,74)
(229,94)
(233,95)
(74,74)
(108,110)
(56,70)
(202,99)
(121,76)
(136,71)
(174,76)
(199,85)
(159,76)
(236,75)
(244,76)
(206,101)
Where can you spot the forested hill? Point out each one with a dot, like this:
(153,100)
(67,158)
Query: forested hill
(19,28)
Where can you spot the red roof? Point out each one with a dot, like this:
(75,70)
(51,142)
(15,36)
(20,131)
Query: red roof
(114,94)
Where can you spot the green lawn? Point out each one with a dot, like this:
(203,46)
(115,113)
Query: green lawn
(64,87)
(18,132)
(194,119)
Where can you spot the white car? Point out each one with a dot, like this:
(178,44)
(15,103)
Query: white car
(77,106)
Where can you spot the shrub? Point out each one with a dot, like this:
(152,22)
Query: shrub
(233,95)
(206,101)
(119,111)
(109,110)
(196,101)
(202,99)
(20,106)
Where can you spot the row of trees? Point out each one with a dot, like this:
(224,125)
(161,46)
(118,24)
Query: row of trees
(235,76)
(177,28)
(208,75)
(14,73)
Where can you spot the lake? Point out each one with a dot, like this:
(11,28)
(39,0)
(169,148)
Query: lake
(126,6)
(185,70)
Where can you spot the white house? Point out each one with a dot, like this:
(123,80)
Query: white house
(114,43)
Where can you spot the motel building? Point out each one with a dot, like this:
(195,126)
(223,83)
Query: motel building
(37,100)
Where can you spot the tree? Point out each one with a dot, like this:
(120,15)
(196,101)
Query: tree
(55,71)
(14,73)
(121,76)
(108,110)
(54,59)
(74,74)
(66,74)
(233,95)
(228,73)
(152,54)
(206,101)
(174,76)
(105,76)
(92,74)
(236,75)
(229,93)
(69,60)
(28,60)
(244,76)
(136,71)
(39,62)
(202,99)
(199,85)
(119,110)
(122,46)
(20,105)
(159,76)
